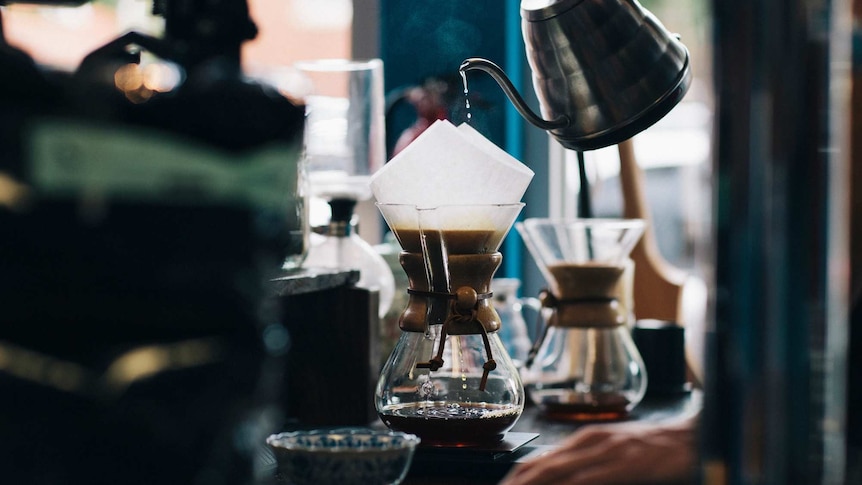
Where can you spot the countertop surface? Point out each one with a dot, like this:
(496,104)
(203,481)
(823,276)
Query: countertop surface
(309,280)
(531,436)
(477,467)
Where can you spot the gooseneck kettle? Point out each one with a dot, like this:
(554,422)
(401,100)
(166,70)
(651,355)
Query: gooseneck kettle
(603,70)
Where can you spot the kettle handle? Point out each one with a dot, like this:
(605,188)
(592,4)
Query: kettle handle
(477,63)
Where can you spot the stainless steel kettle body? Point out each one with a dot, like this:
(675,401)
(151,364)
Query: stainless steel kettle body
(603,70)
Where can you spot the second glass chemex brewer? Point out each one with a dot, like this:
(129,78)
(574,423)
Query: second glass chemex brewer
(585,365)
(450,198)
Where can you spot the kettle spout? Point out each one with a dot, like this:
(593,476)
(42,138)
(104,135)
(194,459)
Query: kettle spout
(477,63)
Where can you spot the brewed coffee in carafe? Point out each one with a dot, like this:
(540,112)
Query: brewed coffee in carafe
(585,365)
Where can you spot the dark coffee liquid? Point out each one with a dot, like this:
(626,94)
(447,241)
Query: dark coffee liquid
(561,402)
(452,424)
(457,241)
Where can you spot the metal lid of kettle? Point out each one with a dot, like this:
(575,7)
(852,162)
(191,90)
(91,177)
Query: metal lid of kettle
(603,70)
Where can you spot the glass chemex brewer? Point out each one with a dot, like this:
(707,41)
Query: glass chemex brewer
(449,379)
(584,364)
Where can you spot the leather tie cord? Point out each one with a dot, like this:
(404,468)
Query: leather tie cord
(463,310)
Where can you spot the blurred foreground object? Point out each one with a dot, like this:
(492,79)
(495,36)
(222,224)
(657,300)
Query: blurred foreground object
(137,341)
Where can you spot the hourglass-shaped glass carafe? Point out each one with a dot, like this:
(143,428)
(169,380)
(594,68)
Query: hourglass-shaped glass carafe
(585,365)
(449,379)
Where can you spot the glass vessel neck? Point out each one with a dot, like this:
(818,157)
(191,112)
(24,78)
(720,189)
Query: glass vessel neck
(342,215)
(339,228)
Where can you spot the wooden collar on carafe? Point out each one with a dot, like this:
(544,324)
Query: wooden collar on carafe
(607,307)
(465,302)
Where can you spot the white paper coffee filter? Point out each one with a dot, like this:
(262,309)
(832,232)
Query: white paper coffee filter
(496,152)
(449,165)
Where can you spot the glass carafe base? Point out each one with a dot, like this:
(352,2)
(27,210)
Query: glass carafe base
(561,402)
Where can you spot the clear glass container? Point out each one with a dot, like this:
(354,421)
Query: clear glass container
(449,379)
(586,366)
(515,331)
(345,126)
(340,247)
(586,374)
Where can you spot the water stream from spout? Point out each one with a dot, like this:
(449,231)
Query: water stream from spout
(466,95)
